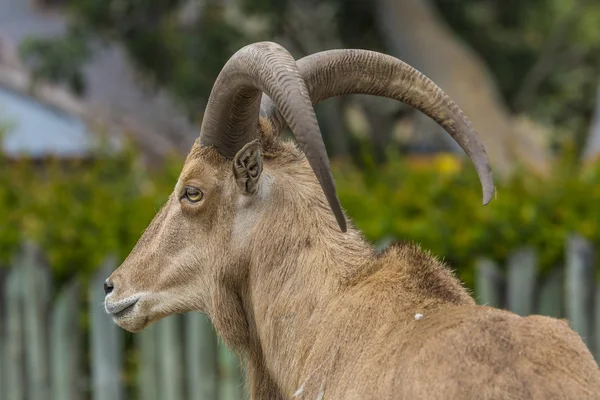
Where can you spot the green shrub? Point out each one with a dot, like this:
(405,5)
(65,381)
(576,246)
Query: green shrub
(79,211)
(437,203)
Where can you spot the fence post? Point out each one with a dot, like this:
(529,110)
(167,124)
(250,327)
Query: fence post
(384,243)
(201,358)
(170,358)
(148,377)
(2,334)
(231,379)
(13,362)
(522,266)
(106,341)
(36,289)
(580,285)
(489,283)
(597,325)
(550,299)
(65,345)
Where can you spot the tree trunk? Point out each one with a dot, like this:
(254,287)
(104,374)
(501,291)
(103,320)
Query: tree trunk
(416,34)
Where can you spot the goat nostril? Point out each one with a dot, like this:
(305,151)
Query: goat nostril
(108,287)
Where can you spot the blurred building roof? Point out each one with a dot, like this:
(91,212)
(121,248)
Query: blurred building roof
(36,130)
(116,100)
(39,120)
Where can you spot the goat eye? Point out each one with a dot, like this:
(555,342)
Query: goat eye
(193,194)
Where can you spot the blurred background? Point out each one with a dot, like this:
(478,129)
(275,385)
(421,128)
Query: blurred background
(100,100)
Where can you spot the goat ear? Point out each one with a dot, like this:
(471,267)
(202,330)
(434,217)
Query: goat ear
(247,167)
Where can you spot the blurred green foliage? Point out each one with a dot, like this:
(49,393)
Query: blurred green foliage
(47,58)
(436,201)
(79,211)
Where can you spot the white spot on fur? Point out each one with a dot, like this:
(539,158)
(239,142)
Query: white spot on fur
(418,316)
(299,391)
(321,394)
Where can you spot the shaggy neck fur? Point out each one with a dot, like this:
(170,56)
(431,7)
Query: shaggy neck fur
(298,271)
(285,298)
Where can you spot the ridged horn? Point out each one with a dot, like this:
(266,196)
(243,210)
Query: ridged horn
(337,72)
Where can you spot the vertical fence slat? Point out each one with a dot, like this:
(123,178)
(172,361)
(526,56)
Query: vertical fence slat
(65,345)
(489,283)
(201,358)
(384,243)
(550,300)
(106,341)
(580,285)
(170,358)
(597,325)
(231,380)
(13,363)
(522,268)
(206,369)
(148,377)
(2,341)
(2,335)
(36,287)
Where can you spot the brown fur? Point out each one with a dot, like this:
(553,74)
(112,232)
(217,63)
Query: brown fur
(318,314)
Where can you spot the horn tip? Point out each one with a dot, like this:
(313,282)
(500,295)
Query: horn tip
(488,194)
(341,219)
(343,226)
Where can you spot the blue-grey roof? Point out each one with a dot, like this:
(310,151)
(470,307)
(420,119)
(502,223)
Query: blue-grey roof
(37,130)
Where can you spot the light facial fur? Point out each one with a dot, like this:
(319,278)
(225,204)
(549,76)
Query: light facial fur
(313,310)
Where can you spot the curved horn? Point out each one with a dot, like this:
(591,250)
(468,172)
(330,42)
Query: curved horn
(231,117)
(336,72)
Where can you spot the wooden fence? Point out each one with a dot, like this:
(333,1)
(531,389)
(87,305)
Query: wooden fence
(64,347)
(568,291)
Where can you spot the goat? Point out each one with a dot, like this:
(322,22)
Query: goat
(253,235)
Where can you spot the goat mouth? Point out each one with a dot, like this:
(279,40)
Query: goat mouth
(124,312)
(121,308)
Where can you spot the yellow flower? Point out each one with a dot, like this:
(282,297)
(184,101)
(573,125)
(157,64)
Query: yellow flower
(448,164)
